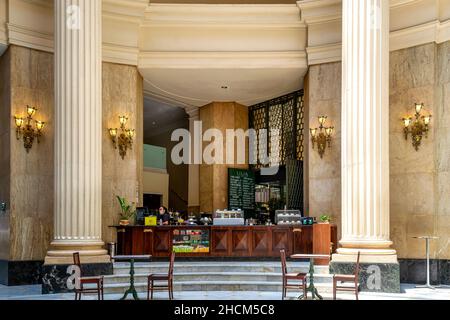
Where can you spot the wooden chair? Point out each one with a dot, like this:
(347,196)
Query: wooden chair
(162,277)
(98,281)
(301,277)
(347,278)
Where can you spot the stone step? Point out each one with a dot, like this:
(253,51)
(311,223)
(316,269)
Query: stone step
(183,286)
(213,276)
(183,267)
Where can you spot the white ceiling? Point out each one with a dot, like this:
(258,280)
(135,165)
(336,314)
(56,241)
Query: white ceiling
(189,52)
(198,87)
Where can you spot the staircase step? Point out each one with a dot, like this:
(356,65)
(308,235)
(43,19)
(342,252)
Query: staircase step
(181,267)
(184,286)
(214,276)
(262,276)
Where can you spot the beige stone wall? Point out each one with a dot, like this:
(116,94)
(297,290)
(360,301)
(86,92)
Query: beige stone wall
(27,231)
(214,178)
(31,173)
(156,182)
(122,95)
(324,98)
(419,184)
(5,141)
(420,187)
(442,151)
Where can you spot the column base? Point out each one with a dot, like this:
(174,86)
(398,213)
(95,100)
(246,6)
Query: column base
(61,252)
(379,269)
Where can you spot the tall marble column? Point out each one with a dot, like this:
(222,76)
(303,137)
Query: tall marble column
(365,132)
(78,133)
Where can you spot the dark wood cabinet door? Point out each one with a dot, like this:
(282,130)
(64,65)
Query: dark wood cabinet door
(138,241)
(281,239)
(148,241)
(220,242)
(261,242)
(162,239)
(240,242)
(302,240)
(124,241)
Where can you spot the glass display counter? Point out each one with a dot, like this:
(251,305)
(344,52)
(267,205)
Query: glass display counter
(191,240)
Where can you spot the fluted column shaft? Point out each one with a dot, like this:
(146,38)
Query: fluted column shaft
(365,127)
(78,128)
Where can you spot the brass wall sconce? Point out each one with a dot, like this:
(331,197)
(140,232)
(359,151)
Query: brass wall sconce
(322,136)
(418,126)
(123,139)
(25,129)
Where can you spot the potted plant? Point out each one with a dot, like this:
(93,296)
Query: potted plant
(326,219)
(127,211)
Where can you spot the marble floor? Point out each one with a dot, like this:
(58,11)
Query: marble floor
(409,292)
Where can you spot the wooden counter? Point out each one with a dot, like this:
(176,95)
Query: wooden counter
(229,241)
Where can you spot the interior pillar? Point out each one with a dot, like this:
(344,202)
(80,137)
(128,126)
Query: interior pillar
(365,141)
(214,177)
(78,133)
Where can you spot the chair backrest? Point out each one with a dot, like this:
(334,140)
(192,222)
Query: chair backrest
(171,264)
(357,265)
(283,262)
(76,259)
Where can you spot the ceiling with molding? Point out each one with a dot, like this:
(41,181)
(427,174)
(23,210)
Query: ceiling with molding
(191,55)
(198,87)
(226,1)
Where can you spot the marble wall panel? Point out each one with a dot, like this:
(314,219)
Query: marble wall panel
(32,173)
(323,90)
(122,95)
(5,141)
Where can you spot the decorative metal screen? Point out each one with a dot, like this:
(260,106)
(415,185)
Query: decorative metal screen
(286,114)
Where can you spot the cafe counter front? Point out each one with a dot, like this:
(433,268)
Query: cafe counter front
(226,241)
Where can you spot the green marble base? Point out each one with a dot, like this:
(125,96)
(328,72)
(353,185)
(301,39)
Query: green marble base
(373,277)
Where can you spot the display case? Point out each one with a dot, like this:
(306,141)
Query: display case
(288,217)
(190,241)
(228,218)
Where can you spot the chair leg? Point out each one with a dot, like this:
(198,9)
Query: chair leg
(283,294)
(305,291)
(334,290)
(171,288)
(152,290)
(76,296)
(357,293)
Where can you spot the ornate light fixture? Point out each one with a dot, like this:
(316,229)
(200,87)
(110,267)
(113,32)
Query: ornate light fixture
(123,139)
(322,136)
(418,126)
(25,129)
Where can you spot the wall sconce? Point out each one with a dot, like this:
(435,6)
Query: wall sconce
(124,139)
(322,136)
(26,130)
(418,126)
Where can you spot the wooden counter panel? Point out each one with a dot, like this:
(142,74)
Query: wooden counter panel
(241,242)
(220,242)
(162,241)
(302,240)
(231,241)
(281,239)
(261,242)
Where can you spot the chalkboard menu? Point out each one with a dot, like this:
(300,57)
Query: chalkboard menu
(241,189)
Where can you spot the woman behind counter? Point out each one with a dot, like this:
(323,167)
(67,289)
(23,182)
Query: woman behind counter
(164,216)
